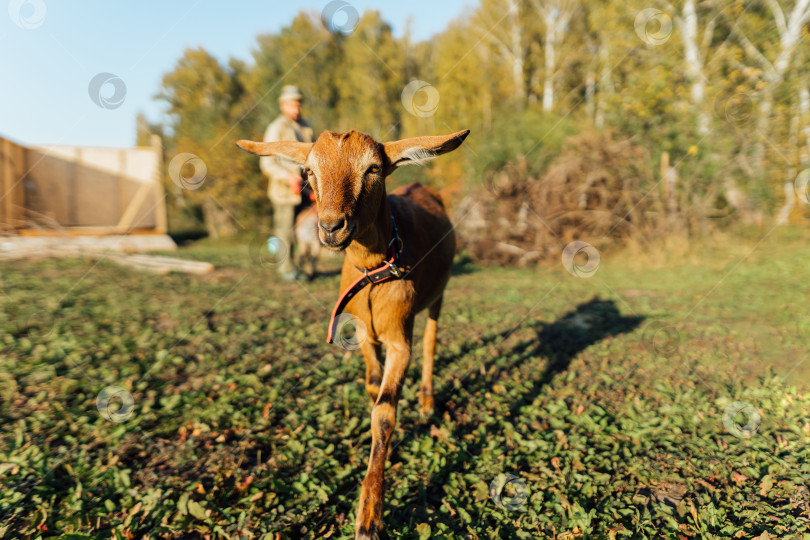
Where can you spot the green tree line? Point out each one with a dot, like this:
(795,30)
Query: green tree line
(721,86)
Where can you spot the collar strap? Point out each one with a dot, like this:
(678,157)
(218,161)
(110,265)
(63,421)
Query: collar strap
(371,276)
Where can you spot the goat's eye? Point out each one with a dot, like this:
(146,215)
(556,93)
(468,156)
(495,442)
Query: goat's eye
(374,169)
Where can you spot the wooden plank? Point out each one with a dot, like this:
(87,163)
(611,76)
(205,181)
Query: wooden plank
(134,205)
(128,262)
(85,231)
(162,265)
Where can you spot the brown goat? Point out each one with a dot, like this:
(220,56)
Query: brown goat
(347,172)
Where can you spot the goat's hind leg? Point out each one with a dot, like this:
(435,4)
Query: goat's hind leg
(428,351)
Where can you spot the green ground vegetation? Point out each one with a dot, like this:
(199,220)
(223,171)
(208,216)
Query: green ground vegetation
(604,397)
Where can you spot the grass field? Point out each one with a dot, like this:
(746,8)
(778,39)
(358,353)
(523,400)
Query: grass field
(599,402)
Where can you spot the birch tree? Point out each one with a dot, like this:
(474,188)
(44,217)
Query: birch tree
(503,25)
(556,16)
(789,24)
(695,56)
(697,45)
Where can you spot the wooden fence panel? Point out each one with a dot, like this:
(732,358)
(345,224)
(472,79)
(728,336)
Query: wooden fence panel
(12,190)
(63,187)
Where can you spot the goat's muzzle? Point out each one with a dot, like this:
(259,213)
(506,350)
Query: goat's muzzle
(335,234)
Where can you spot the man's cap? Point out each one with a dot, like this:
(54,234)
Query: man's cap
(290,93)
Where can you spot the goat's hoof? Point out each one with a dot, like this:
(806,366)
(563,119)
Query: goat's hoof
(362,533)
(426,405)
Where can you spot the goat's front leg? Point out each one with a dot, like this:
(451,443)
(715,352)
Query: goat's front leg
(383,418)
(371,355)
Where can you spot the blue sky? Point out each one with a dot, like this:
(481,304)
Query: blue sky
(47,68)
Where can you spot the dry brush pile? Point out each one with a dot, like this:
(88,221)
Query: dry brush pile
(598,190)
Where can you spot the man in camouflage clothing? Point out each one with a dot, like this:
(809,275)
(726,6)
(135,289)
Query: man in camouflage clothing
(285,185)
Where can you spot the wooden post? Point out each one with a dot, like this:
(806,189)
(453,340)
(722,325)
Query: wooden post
(161,225)
(119,182)
(8,183)
(669,176)
(664,175)
(72,189)
(18,201)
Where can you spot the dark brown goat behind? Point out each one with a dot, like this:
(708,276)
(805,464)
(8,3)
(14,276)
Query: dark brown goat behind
(347,171)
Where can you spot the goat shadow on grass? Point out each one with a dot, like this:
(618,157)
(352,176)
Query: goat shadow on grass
(577,330)
(559,343)
(463,264)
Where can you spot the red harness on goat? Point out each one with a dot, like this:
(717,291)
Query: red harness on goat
(371,276)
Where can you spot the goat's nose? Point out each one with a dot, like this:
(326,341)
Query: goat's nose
(332,227)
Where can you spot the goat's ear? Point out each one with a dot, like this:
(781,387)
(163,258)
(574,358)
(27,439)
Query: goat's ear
(295,152)
(417,150)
